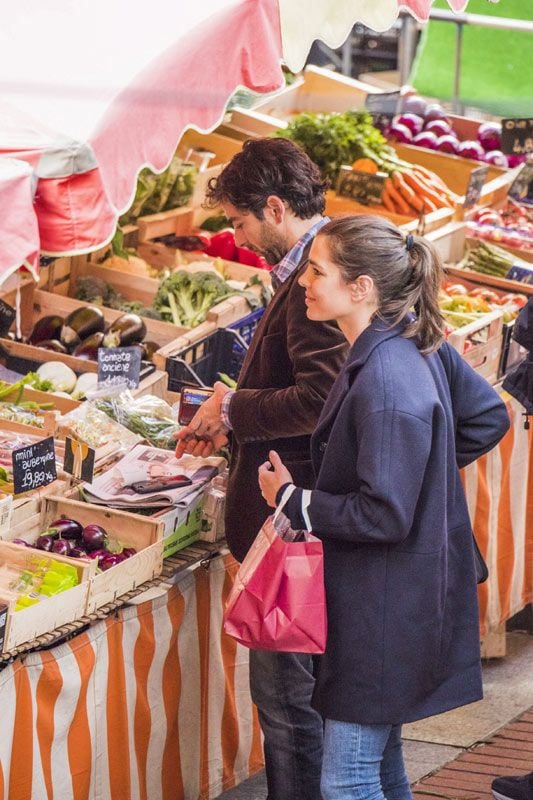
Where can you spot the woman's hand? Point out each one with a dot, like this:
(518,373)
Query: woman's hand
(273,475)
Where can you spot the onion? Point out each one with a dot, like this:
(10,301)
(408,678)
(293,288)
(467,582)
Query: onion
(489,135)
(497,158)
(471,149)
(411,121)
(414,104)
(447,144)
(434,111)
(426,139)
(440,127)
(62,377)
(401,133)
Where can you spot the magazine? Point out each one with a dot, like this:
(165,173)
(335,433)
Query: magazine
(148,477)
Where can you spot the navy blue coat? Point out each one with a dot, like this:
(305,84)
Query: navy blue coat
(403,628)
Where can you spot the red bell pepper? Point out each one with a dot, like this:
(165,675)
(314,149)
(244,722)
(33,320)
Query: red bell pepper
(222,245)
(251,258)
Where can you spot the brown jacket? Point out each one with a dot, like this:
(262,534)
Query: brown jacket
(287,374)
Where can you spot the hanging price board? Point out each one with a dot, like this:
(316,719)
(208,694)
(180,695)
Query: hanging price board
(383,103)
(34,466)
(7,317)
(517,136)
(79,460)
(119,365)
(522,187)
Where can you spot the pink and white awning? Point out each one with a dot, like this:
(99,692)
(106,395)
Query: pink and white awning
(91,92)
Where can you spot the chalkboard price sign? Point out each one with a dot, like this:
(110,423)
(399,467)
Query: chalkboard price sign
(364,187)
(7,317)
(34,465)
(383,103)
(517,136)
(475,184)
(119,365)
(522,187)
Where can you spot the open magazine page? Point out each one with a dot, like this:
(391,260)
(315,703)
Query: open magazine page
(150,477)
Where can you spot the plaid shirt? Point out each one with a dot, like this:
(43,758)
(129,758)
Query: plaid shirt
(279,275)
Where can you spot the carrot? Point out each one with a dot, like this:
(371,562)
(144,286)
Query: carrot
(428,206)
(387,202)
(406,192)
(397,199)
(435,180)
(365,165)
(420,187)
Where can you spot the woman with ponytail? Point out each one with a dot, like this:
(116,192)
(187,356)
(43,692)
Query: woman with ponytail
(403,415)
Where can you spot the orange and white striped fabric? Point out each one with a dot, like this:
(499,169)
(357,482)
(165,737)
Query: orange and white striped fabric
(499,491)
(151,704)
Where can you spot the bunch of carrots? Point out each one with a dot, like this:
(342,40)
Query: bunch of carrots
(409,188)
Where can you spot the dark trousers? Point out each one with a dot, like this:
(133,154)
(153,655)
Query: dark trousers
(281,686)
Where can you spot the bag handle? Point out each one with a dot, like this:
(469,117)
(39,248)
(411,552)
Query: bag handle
(287,494)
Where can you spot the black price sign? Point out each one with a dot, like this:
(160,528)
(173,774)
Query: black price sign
(7,317)
(364,187)
(34,466)
(119,365)
(383,104)
(475,184)
(522,186)
(79,460)
(517,136)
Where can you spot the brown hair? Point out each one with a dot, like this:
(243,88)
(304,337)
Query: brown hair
(407,272)
(267,167)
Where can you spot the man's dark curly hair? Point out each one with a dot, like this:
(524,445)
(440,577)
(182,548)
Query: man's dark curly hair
(267,167)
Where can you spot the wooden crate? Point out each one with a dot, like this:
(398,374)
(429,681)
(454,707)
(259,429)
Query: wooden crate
(449,241)
(336,205)
(51,613)
(455,172)
(132,530)
(316,89)
(249,123)
(480,344)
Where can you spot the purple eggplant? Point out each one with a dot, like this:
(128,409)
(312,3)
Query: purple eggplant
(62,547)
(98,555)
(78,552)
(93,537)
(88,349)
(80,324)
(126,330)
(46,328)
(54,345)
(45,542)
(110,560)
(21,542)
(67,528)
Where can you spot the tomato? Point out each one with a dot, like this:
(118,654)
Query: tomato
(520,300)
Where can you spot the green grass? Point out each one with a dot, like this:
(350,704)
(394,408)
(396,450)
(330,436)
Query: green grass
(497,65)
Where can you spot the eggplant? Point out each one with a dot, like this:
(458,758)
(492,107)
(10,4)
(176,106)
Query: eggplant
(126,330)
(45,329)
(88,349)
(148,349)
(80,324)
(53,344)
(67,528)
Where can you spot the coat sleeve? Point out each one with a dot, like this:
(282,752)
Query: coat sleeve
(480,415)
(316,352)
(393,452)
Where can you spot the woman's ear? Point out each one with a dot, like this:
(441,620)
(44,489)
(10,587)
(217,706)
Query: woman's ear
(362,288)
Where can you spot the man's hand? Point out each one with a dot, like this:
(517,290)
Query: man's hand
(205,433)
(273,475)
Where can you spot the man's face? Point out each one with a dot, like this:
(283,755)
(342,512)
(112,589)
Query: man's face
(262,235)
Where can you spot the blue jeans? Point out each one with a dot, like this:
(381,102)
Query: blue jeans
(281,686)
(363,762)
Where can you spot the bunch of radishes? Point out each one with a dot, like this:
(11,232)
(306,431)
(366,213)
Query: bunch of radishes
(67,537)
(426,125)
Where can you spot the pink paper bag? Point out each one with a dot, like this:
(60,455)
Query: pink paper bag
(278,599)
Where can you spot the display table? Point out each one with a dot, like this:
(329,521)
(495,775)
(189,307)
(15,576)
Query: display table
(499,490)
(150,704)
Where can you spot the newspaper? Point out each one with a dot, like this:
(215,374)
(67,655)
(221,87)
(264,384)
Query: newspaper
(127,483)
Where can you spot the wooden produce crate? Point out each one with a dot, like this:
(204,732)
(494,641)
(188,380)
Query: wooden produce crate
(316,89)
(449,241)
(46,303)
(336,204)
(249,123)
(132,530)
(52,612)
(455,172)
(480,344)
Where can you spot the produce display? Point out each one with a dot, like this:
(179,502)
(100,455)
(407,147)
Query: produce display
(82,332)
(91,425)
(460,305)
(173,188)
(67,537)
(148,416)
(220,244)
(427,125)
(491,260)
(39,579)
(333,140)
(511,225)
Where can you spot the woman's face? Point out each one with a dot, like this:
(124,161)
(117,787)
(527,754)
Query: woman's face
(327,295)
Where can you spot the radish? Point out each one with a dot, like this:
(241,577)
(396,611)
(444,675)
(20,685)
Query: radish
(489,135)
(426,139)
(411,121)
(447,144)
(401,133)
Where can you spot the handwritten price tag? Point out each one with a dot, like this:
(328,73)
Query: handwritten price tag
(34,466)
(119,365)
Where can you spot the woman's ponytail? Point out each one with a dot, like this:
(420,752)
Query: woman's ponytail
(427,275)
